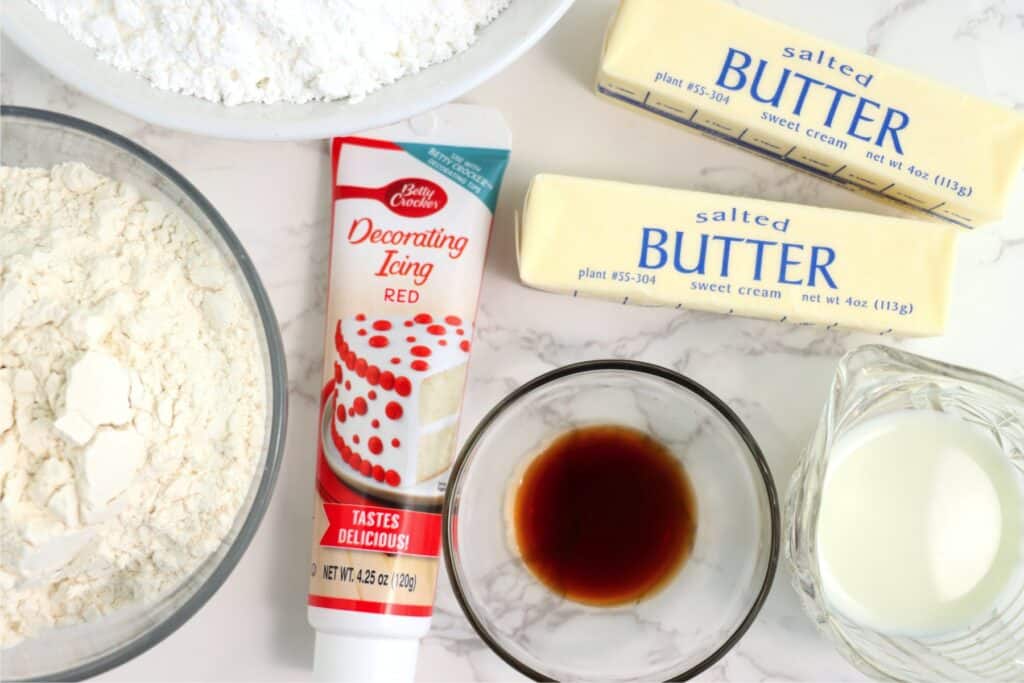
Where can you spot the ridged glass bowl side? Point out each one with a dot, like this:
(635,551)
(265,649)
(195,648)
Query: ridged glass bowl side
(871,381)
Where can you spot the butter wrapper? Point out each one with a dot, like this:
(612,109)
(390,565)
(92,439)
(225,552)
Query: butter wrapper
(836,113)
(638,244)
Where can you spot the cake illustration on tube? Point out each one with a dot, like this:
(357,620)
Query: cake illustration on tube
(399,387)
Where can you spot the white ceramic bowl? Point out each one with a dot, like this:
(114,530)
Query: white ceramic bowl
(497,46)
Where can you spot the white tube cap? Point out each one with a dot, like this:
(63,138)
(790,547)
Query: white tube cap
(340,659)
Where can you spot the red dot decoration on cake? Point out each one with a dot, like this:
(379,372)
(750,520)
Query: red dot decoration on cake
(388,431)
(359,405)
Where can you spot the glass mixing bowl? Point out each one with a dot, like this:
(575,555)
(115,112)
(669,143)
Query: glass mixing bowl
(703,610)
(32,137)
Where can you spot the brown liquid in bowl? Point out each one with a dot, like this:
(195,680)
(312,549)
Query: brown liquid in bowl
(605,515)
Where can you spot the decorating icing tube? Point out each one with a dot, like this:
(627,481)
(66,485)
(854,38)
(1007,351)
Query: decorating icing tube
(412,205)
(637,244)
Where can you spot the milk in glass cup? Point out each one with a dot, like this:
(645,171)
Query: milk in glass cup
(906,520)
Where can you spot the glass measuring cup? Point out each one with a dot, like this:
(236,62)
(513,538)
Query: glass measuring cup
(870,382)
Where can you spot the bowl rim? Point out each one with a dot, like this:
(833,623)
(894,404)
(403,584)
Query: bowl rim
(629,366)
(277,377)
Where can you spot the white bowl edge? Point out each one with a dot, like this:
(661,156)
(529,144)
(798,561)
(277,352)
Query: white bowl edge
(500,43)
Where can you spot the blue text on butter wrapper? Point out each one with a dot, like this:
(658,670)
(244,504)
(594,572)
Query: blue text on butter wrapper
(846,110)
(788,263)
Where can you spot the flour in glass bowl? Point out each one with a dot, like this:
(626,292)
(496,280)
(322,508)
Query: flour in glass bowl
(132,398)
(238,51)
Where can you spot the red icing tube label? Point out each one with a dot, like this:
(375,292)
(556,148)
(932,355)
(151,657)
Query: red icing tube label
(411,220)
(360,527)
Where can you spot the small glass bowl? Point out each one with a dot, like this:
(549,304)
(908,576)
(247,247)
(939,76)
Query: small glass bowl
(873,381)
(699,614)
(38,138)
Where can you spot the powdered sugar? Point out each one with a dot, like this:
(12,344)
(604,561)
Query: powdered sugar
(132,398)
(236,51)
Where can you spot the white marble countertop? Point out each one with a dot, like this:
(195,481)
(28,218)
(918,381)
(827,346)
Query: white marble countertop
(273,195)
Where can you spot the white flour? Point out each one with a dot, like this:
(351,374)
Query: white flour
(132,402)
(236,51)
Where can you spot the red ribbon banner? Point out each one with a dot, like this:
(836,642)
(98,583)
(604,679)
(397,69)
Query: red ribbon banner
(385,530)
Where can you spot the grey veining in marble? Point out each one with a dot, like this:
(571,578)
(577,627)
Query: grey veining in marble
(775,376)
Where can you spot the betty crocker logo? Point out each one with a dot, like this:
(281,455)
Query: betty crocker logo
(408,197)
(415,197)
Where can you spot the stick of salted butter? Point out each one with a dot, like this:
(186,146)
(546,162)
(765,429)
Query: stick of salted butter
(651,245)
(798,99)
